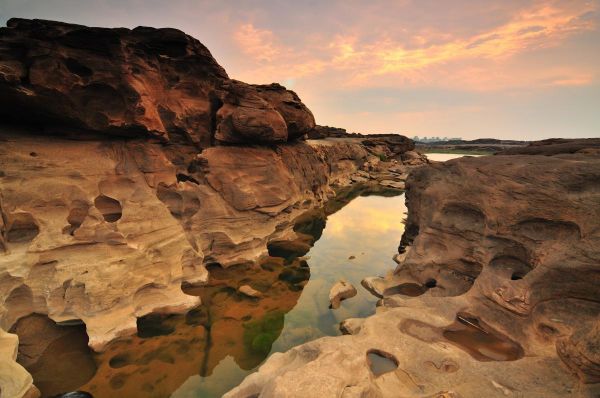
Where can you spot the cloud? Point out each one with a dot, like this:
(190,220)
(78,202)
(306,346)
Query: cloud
(480,61)
(257,43)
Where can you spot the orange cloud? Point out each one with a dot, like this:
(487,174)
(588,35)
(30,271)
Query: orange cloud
(480,62)
(257,43)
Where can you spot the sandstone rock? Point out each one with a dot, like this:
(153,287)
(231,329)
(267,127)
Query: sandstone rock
(73,79)
(341,290)
(249,291)
(14,379)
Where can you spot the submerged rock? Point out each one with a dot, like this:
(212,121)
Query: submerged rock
(341,290)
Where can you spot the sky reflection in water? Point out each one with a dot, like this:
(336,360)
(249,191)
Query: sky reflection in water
(368,228)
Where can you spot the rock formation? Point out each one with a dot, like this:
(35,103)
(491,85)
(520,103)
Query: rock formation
(131,161)
(499,263)
(146,82)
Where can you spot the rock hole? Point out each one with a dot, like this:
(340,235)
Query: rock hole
(110,208)
(21,228)
(76,217)
(119,360)
(541,229)
(381,362)
(509,265)
(431,283)
(78,68)
(57,356)
(480,340)
(171,198)
(406,289)
(153,325)
(184,177)
(33,154)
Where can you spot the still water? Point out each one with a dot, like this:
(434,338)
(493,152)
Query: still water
(442,157)
(209,350)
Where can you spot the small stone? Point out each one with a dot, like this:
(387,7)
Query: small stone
(351,257)
(340,291)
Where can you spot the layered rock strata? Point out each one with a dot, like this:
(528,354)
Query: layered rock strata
(496,291)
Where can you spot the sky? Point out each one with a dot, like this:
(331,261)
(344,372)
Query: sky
(512,69)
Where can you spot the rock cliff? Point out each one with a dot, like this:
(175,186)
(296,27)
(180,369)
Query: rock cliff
(146,82)
(499,262)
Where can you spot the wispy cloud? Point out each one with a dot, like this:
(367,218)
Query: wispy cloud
(352,62)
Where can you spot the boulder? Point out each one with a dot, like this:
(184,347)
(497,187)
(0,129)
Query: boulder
(341,290)
(145,82)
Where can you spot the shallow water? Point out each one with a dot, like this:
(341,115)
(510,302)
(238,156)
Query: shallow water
(380,363)
(209,350)
(481,341)
(442,157)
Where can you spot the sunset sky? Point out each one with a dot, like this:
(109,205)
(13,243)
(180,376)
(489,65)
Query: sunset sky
(464,68)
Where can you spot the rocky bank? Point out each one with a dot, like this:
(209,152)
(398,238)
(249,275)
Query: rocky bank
(495,294)
(129,161)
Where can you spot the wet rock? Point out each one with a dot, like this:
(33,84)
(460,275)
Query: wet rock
(341,290)
(249,291)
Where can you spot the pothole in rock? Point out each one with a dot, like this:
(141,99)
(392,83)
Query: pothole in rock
(21,228)
(381,362)
(406,289)
(110,208)
(481,341)
(57,356)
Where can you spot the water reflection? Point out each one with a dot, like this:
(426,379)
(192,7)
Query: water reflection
(209,350)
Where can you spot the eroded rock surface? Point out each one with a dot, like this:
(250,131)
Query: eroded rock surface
(506,250)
